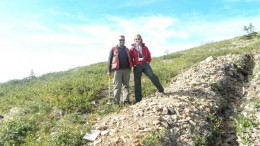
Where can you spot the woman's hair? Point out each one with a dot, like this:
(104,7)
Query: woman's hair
(139,36)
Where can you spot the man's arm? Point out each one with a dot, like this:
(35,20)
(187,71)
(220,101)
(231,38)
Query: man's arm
(110,61)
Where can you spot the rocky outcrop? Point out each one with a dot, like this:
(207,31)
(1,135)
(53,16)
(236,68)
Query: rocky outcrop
(13,112)
(188,114)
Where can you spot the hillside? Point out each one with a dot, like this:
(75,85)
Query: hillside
(212,98)
(196,109)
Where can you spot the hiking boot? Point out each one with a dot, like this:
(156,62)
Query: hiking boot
(126,103)
(158,93)
(116,103)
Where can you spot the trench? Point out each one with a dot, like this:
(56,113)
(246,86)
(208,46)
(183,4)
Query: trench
(232,90)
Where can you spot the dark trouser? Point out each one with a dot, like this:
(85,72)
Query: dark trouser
(138,70)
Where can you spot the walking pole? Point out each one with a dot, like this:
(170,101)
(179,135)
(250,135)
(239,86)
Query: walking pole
(109,87)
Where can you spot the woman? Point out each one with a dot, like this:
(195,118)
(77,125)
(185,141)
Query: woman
(141,57)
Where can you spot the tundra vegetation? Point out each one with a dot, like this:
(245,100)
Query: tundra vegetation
(59,108)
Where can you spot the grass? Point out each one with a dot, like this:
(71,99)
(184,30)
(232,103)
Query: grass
(57,108)
(153,138)
(242,124)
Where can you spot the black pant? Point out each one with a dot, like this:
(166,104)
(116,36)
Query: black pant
(147,70)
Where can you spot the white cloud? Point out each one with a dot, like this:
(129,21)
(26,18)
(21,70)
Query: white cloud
(220,30)
(38,26)
(155,31)
(80,45)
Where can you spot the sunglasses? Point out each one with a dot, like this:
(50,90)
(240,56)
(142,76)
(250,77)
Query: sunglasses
(121,40)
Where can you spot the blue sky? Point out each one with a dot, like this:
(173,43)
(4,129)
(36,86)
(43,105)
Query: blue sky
(56,35)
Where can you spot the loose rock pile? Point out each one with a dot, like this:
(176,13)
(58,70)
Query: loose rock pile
(186,114)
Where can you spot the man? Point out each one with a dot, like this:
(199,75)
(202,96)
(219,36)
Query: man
(120,64)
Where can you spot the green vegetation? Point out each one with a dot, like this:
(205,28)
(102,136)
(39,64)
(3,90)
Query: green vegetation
(257,104)
(215,122)
(243,123)
(58,108)
(153,138)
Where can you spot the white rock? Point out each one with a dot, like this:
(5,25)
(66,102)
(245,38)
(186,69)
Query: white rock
(104,132)
(92,135)
(97,141)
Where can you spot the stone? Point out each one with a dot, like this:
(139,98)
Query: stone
(104,132)
(92,135)
(102,128)
(97,141)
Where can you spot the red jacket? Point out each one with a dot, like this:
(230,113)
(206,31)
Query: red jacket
(134,54)
(115,59)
